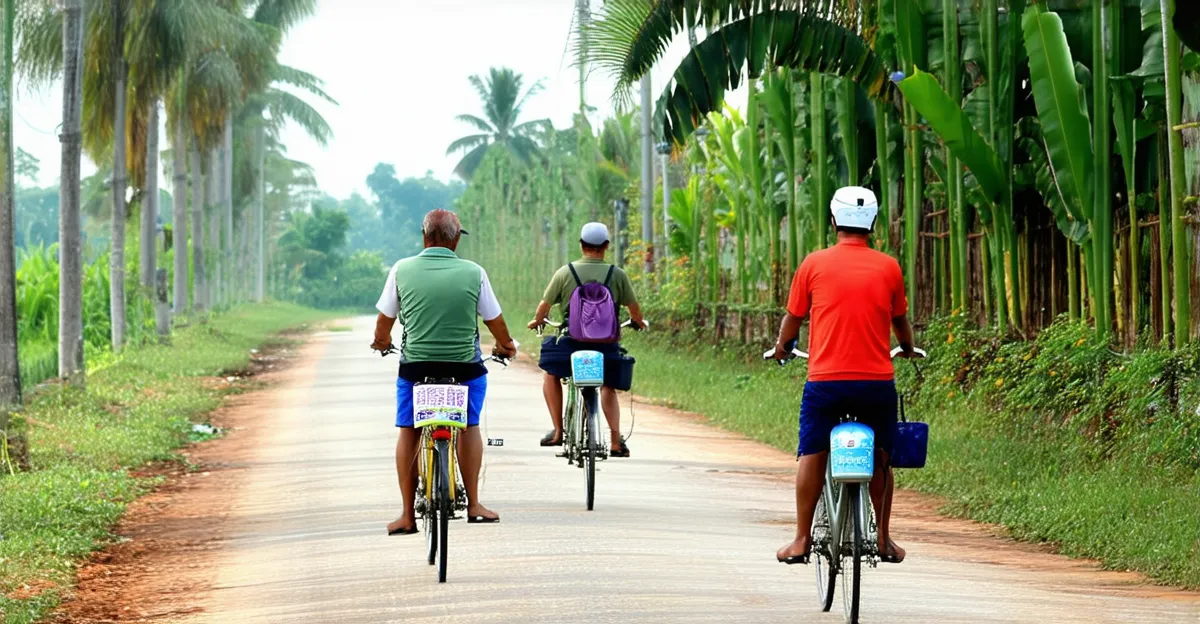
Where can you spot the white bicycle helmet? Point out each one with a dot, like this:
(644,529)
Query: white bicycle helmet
(854,207)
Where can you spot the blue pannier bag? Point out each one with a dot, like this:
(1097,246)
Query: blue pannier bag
(911,443)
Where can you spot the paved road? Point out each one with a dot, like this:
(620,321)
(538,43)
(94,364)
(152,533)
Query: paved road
(685,531)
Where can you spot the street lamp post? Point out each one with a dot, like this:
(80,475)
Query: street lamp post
(664,150)
(622,215)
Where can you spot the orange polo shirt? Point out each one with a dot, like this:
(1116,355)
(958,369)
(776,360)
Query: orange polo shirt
(850,293)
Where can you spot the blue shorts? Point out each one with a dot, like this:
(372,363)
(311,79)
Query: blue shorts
(873,403)
(476,392)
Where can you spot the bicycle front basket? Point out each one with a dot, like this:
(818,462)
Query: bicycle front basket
(440,405)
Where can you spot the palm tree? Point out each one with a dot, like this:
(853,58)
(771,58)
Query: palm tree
(280,15)
(10,371)
(70,289)
(502,103)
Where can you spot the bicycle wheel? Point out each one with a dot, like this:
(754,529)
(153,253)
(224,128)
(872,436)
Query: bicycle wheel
(571,424)
(443,507)
(825,566)
(852,573)
(430,516)
(589,440)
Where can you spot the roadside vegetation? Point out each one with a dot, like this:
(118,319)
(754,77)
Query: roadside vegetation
(79,446)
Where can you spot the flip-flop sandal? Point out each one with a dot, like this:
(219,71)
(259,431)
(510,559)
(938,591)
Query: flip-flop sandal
(403,531)
(890,557)
(549,440)
(482,520)
(621,452)
(795,559)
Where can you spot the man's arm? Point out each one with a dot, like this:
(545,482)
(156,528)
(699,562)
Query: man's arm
(505,347)
(904,334)
(540,316)
(383,332)
(635,314)
(789,330)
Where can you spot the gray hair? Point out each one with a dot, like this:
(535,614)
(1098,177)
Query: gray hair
(441,226)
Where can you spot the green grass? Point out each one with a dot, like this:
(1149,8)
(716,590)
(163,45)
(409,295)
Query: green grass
(83,443)
(1041,483)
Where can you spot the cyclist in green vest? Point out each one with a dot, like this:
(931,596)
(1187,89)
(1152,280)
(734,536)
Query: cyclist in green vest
(437,296)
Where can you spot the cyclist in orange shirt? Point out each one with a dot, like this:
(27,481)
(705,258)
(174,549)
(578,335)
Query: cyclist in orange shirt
(854,298)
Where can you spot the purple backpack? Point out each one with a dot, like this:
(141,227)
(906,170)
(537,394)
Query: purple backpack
(593,313)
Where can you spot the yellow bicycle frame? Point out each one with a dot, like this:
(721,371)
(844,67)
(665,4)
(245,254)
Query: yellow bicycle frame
(425,468)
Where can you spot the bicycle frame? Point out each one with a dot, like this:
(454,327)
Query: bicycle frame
(837,505)
(573,442)
(430,448)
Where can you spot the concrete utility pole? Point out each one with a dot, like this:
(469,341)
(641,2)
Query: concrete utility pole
(647,177)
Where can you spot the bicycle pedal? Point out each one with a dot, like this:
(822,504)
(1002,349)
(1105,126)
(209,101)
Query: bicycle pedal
(495,441)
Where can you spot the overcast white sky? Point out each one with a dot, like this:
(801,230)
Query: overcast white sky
(398,69)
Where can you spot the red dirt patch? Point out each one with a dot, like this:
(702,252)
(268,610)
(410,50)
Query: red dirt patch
(168,538)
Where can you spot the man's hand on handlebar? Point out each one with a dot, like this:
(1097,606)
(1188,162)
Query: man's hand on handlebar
(508,351)
(908,352)
(536,324)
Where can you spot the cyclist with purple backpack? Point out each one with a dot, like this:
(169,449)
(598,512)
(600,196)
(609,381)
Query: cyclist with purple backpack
(590,292)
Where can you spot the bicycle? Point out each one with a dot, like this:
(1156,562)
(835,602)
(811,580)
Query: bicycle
(440,412)
(844,530)
(581,425)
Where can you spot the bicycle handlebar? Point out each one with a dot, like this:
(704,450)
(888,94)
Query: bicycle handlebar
(493,357)
(797,353)
(629,323)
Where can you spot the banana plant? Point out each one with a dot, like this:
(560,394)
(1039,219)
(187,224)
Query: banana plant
(778,99)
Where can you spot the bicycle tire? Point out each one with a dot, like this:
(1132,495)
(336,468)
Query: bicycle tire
(852,574)
(826,568)
(571,425)
(430,518)
(589,426)
(443,503)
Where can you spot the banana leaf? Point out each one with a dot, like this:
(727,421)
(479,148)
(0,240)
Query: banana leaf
(923,92)
(1032,143)
(1152,51)
(774,38)
(1061,109)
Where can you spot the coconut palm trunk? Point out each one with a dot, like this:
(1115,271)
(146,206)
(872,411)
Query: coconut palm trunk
(179,196)
(116,258)
(147,260)
(70,280)
(213,210)
(260,190)
(10,371)
(200,297)
(230,294)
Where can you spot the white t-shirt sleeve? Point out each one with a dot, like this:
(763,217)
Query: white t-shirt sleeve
(389,300)
(489,307)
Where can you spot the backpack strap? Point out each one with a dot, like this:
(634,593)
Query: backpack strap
(578,282)
(608,278)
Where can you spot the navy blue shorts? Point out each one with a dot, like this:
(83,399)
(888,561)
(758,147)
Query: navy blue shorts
(556,353)
(873,403)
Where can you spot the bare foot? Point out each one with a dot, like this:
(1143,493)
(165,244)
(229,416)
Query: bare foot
(401,526)
(479,511)
(794,549)
(891,552)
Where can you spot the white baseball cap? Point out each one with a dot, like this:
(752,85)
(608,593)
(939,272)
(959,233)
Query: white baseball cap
(594,234)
